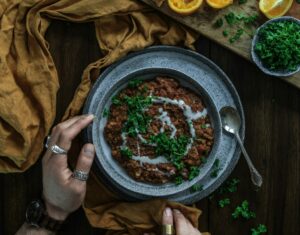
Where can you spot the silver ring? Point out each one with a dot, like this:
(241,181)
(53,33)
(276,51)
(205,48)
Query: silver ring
(57,150)
(80,175)
(47,141)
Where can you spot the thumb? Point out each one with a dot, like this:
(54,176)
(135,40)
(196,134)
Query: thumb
(86,158)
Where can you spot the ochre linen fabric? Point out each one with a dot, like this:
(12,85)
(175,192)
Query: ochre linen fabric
(29,84)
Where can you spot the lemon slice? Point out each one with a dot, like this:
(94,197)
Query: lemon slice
(185,7)
(274,8)
(218,4)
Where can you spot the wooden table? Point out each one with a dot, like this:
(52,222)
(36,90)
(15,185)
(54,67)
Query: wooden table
(272,109)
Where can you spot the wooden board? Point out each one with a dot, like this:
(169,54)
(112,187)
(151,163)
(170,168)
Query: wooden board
(202,21)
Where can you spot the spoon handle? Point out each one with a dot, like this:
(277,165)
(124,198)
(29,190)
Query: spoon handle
(255,176)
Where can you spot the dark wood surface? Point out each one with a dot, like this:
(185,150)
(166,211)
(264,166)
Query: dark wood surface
(272,109)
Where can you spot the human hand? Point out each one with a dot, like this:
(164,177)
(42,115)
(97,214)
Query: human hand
(62,193)
(182,225)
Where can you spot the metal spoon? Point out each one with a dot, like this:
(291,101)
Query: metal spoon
(231,123)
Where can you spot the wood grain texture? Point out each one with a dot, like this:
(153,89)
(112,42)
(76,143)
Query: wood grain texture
(202,22)
(272,110)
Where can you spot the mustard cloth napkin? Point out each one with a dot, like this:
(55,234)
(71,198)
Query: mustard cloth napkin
(29,84)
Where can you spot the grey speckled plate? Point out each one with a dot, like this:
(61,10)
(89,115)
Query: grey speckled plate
(191,70)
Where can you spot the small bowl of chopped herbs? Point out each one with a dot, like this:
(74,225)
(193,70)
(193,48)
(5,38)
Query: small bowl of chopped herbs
(276,47)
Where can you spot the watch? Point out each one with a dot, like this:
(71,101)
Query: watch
(36,216)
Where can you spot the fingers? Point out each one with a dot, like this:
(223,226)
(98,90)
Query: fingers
(68,134)
(167,216)
(183,225)
(86,158)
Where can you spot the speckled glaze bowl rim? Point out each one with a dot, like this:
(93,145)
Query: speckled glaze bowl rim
(258,61)
(144,187)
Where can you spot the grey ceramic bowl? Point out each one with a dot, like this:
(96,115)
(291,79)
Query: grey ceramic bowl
(191,70)
(258,61)
(112,168)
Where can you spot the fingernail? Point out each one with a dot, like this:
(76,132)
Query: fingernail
(177,211)
(89,149)
(168,211)
(90,116)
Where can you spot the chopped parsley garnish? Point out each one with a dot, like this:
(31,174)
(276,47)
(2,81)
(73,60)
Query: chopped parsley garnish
(218,23)
(171,148)
(134,83)
(230,18)
(126,152)
(194,172)
(116,101)
(203,126)
(225,33)
(223,202)
(278,45)
(243,211)
(236,36)
(105,112)
(229,186)
(197,187)
(178,180)
(216,168)
(138,121)
(259,230)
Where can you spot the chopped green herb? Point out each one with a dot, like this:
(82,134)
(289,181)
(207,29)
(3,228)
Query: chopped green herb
(105,112)
(218,23)
(225,33)
(137,120)
(250,20)
(203,126)
(196,188)
(194,172)
(230,18)
(203,160)
(116,101)
(172,148)
(229,186)
(242,1)
(243,211)
(178,180)
(126,152)
(259,230)
(278,45)
(134,83)
(216,169)
(223,202)
(237,35)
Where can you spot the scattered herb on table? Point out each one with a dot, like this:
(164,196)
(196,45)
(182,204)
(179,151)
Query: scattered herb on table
(230,18)
(223,202)
(236,36)
(243,211)
(259,230)
(216,168)
(218,23)
(126,152)
(278,45)
(230,186)
(225,33)
(197,187)
(134,83)
(105,112)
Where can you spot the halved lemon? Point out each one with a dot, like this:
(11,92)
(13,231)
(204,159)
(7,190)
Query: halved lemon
(185,7)
(274,8)
(218,4)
